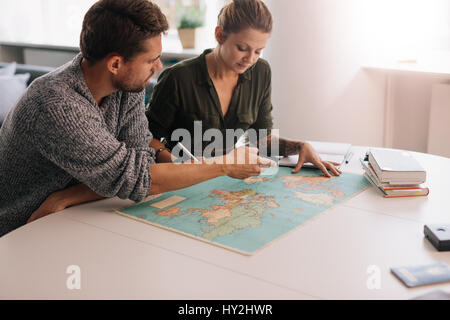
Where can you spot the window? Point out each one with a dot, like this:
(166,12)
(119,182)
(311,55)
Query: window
(169,7)
(58,22)
(206,33)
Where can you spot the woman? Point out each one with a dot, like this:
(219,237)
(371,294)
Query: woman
(228,87)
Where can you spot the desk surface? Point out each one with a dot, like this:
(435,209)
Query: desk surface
(325,258)
(435,63)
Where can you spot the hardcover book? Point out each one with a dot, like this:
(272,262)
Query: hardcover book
(395,166)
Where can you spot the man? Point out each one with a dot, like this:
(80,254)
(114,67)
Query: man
(80,133)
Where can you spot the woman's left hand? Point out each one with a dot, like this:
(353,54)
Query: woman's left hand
(308,154)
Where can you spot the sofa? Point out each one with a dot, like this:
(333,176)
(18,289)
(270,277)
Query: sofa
(34,71)
(22,71)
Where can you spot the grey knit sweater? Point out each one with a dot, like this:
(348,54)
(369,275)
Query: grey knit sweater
(57,136)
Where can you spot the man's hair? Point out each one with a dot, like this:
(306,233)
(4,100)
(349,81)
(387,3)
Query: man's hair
(120,26)
(240,15)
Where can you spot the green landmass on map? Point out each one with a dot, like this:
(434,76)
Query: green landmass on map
(246,215)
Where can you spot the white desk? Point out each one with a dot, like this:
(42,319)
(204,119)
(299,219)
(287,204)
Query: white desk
(325,258)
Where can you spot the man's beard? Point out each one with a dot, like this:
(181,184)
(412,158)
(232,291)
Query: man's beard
(123,86)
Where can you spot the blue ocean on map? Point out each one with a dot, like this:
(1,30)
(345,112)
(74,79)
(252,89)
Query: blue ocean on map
(246,215)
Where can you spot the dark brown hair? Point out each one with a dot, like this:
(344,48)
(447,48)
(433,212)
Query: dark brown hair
(239,15)
(120,26)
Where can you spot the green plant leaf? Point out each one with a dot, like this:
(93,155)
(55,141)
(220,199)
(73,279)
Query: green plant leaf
(191,17)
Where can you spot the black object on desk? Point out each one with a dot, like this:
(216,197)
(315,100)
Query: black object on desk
(438,235)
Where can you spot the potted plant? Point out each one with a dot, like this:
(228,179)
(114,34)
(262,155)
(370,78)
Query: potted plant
(191,18)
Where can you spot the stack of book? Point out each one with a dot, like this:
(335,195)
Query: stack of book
(395,173)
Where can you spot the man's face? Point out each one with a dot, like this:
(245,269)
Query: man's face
(136,73)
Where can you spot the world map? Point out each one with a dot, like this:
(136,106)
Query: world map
(246,215)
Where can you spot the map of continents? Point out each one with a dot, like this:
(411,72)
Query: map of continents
(247,215)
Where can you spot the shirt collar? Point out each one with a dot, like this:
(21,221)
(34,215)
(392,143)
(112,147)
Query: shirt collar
(202,75)
(204,78)
(247,75)
(79,82)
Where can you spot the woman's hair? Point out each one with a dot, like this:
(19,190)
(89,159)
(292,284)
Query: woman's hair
(120,26)
(240,15)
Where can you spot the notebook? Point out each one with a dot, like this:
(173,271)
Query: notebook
(413,276)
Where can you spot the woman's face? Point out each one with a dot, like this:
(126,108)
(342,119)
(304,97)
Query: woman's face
(241,50)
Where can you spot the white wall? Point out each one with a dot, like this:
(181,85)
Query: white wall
(439,118)
(316,52)
(411,99)
(319,90)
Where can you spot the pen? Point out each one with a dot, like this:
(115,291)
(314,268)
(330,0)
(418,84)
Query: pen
(366,156)
(350,155)
(186,151)
(346,160)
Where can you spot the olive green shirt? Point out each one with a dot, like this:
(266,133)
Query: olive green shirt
(185,93)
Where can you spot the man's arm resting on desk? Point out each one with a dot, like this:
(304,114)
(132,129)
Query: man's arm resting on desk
(65,198)
(164,177)
(241,163)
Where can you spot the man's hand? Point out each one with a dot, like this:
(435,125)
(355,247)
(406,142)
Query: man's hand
(308,154)
(51,205)
(65,198)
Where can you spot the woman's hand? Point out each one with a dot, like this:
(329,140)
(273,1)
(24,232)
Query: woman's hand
(244,162)
(308,154)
